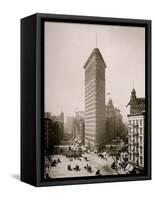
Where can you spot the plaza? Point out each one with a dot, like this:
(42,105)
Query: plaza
(95,161)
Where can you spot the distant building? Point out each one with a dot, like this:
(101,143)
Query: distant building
(79,127)
(114,123)
(136,130)
(116,145)
(60,120)
(95,99)
(53,130)
(137,105)
(119,126)
(69,124)
(110,121)
(68,128)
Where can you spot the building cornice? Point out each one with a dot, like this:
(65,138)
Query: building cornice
(136,114)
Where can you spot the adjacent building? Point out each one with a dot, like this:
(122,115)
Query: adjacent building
(95,99)
(53,130)
(60,120)
(136,130)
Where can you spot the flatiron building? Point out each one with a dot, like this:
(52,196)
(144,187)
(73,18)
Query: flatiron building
(95,100)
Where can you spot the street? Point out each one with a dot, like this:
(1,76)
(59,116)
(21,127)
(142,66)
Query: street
(96,163)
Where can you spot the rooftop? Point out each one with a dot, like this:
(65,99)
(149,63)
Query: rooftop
(94,53)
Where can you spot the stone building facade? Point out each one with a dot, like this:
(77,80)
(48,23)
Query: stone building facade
(136,130)
(95,99)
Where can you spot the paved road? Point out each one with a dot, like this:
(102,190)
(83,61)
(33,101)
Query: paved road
(96,163)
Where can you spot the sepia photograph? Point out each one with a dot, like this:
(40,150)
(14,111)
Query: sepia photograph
(94,100)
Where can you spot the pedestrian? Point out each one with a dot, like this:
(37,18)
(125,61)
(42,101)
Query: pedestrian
(69,168)
(98,173)
(47,175)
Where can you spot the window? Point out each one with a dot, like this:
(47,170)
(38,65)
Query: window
(141,160)
(129,130)
(136,149)
(140,122)
(129,138)
(137,122)
(141,130)
(137,138)
(141,140)
(140,150)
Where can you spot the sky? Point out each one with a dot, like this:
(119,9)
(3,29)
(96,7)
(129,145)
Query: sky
(68,46)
